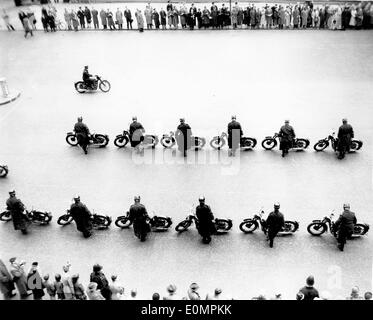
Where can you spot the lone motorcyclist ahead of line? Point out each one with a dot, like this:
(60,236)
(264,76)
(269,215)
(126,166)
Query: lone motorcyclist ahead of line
(82,134)
(136,133)
(139,216)
(17,208)
(88,78)
(205,225)
(345,135)
(275,222)
(82,217)
(183,137)
(287,135)
(234,136)
(345,226)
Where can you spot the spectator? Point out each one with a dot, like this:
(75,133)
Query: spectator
(117,291)
(103,17)
(193,292)
(163,16)
(19,276)
(119,19)
(50,287)
(102,283)
(355,294)
(155,18)
(93,293)
(35,282)
(128,15)
(215,296)
(68,286)
(95,18)
(171,289)
(110,20)
(59,287)
(368,295)
(156,296)
(75,21)
(140,20)
(6,282)
(308,291)
(133,295)
(88,16)
(80,15)
(5,17)
(67,17)
(78,288)
(31,18)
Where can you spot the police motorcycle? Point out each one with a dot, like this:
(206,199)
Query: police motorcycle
(297,144)
(34,216)
(98,83)
(169,140)
(156,223)
(218,142)
(332,140)
(121,140)
(95,139)
(98,221)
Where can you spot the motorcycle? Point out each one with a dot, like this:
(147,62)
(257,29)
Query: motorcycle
(36,217)
(221,225)
(95,139)
(251,224)
(156,223)
(121,140)
(98,221)
(298,143)
(318,227)
(333,140)
(3,171)
(218,142)
(169,140)
(82,87)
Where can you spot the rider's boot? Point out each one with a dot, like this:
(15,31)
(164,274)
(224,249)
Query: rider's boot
(271,243)
(283,153)
(24,231)
(340,246)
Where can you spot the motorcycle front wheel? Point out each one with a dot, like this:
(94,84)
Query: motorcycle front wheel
(5,216)
(40,217)
(105,86)
(121,141)
(168,142)
(123,222)
(248,226)
(64,220)
(269,143)
(101,140)
(302,143)
(355,145)
(80,87)
(72,140)
(151,141)
(199,143)
(360,229)
(217,143)
(183,225)
(3,172)
(316,228)
(247,143)
(321,145)
(101,222)
(291,226)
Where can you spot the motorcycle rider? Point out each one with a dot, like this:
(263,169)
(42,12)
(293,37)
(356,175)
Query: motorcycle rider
(82,134)
(205,226)
(287,135)
(136,131)
(139,216)
(183,136)
(82,217)
(88,79)
(345,135)
(274,223)
(234,136)
(17,208)
(345,226)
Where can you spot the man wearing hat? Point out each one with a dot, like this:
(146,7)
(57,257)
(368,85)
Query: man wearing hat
(205,225)
(82,134)
(139,216)
(183,137)
(6,282)
(193,292)
(308,291)
(19,276)
(287,135)
(35,282)
(171,289)
(88,78)
(17,208)
(82,217)
(136,133)
(215,296)
(275,222)
(345,135)
(234,136)
(345,226)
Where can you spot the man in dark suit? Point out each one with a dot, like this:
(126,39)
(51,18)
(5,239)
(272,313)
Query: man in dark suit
(17,208)
(234,136)
(128,15)
(287,136)
(136,133)
(183,136)
(82,134)
(274,223)
(345,226)
(139,216)
(345,135)
(205,218)
(81,216)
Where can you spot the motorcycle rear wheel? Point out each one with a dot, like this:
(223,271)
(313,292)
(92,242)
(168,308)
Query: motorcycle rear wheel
(290,226)
(80,87)
(355,145)
(101,140)
(269,143)
(248,143)
(72,140)
(3,172)
(183,225)
(101,222)
(360,229)
(321,145)
(105,86)
(302,143)
(168,142)
(5,216)
(121,141)
(316,228)
(64,220)
(248,226)
(123,223)
(40,217)
(217,143)
(199,143)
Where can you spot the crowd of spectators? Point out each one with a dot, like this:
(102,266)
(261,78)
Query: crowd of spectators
(67,286)
(200,16)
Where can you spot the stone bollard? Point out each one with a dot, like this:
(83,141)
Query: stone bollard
(6,95)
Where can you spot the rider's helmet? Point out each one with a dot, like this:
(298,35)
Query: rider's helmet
(277,205)
(134,118)
(287,121)
(76,197)
(12,192)
(85,67)
(346,206)
(182,120)
(80,119)
(137,198)
(201,198)
(344,120)
(233,117)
